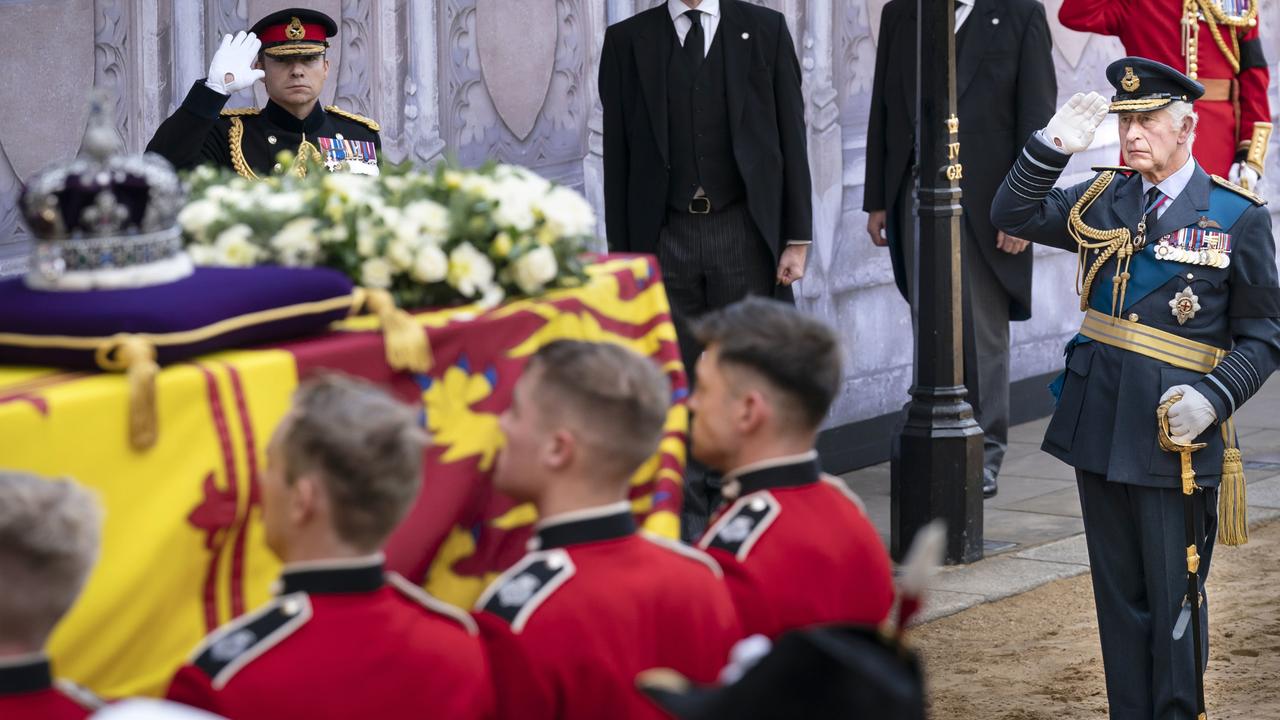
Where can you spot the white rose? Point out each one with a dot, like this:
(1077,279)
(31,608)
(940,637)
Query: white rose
(202,254)
(282,203)
(537,184)
(348,186)
(470,271)
(478,184)
(375,273)
(234,247)
(533,270)
(492,296)
(567,213)
(430,219)
(400,254)
(366,238)
(517,202)
(431,265)
(197,216)
(296,244)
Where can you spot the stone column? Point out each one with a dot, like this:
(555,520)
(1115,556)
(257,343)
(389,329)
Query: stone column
(187,35)
(421,88)
(826,164)
(598,18)
(13,248)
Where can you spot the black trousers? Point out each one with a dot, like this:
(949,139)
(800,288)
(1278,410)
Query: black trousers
(708,261)
(1137,556)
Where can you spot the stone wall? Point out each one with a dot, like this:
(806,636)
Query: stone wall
(514,80)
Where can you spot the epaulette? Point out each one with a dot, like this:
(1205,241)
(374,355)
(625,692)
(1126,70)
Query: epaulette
(838,485)
(432,603)
(682,549)
(1114,168)
(1253,197)
(82,696)
(238,112)
(518,592)
(229,648)
(737,531)
(367,122)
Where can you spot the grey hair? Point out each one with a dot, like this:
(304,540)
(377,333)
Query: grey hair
(49,537)
(1178,111)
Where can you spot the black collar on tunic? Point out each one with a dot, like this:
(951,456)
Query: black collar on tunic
(25,677)
(286,120)
(360,578)
(790,475)
(593,529)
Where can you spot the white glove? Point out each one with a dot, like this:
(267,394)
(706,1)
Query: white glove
(1190,416)
(231,69)
(1071,128)
(746,653)
(1244,176)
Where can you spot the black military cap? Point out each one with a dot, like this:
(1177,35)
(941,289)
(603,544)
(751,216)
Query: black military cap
(295,31)
(819,673)
(1143,85)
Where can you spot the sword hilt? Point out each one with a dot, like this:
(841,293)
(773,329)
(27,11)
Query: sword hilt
(1168,445)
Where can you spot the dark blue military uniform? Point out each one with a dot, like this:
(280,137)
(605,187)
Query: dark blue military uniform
(1201,291)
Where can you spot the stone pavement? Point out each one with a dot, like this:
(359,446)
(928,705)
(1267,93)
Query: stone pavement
(1032,529)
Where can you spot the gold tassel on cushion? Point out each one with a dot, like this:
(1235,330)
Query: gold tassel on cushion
(136,357)
(405,339)
(1233,511)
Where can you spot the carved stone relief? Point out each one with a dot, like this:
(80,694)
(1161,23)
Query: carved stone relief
(516,45)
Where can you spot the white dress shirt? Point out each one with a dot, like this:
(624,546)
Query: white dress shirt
(964,8)
(1172,185)
(710,20)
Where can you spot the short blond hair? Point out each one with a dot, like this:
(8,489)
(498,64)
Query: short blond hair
(49,536)
(615,399)
(367,449)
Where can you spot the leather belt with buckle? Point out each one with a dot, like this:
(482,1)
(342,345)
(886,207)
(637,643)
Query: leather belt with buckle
(700,205)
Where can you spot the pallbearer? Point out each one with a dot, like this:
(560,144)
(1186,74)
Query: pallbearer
(1178,284)
(286,50)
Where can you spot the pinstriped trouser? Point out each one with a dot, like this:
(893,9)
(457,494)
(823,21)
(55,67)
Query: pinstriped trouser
(708,262)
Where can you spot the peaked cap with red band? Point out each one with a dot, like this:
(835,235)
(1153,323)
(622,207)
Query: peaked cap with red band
(295,31)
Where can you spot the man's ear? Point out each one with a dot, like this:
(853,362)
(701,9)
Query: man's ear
(306,498)
(560,450)
(754,412)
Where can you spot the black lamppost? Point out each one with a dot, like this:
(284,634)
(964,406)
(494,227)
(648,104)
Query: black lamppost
(937,464)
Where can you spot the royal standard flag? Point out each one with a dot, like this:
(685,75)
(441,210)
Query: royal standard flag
(183,549)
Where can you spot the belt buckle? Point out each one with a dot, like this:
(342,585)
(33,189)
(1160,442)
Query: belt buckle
(700,206)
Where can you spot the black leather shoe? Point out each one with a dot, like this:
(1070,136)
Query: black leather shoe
(989,487)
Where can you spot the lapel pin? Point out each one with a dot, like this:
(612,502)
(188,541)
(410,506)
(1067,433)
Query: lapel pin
(746,36)
(995,21)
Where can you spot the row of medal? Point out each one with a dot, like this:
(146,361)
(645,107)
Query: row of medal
(1196,246)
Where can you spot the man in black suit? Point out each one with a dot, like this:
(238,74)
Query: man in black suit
(1006,89)
(705,162)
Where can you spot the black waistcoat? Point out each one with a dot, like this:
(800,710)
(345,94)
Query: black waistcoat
(698,124)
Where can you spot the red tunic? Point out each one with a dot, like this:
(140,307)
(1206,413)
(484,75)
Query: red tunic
(28,692)
(570,626)
(1153,29)
(797,550)
(339,642)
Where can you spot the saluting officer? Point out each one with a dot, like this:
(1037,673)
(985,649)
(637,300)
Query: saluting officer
(286,50)
(343,638)
(1178,281)
(796,545)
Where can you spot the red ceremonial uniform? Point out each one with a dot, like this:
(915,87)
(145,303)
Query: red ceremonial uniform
(28,692)
(570,626)
(1233,101)
(797,549)
(342,640)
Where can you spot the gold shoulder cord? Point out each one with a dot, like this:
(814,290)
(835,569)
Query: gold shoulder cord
(234,138)
(1115,242)
(1214,16)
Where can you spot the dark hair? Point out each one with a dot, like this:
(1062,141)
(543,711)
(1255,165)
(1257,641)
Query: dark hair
(366,447)
(617,399)
(796,354)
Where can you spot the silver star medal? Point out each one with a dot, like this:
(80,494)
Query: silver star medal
(1185,305)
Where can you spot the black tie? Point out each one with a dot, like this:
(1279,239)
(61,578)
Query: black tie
(1150,206)
(694,42)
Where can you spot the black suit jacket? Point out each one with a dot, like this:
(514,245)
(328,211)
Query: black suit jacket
(1006,89)
(766,112)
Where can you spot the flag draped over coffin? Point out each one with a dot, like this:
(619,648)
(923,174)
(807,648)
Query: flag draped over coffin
(183,549)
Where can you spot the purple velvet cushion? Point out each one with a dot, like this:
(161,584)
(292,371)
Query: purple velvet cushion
(298,301)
